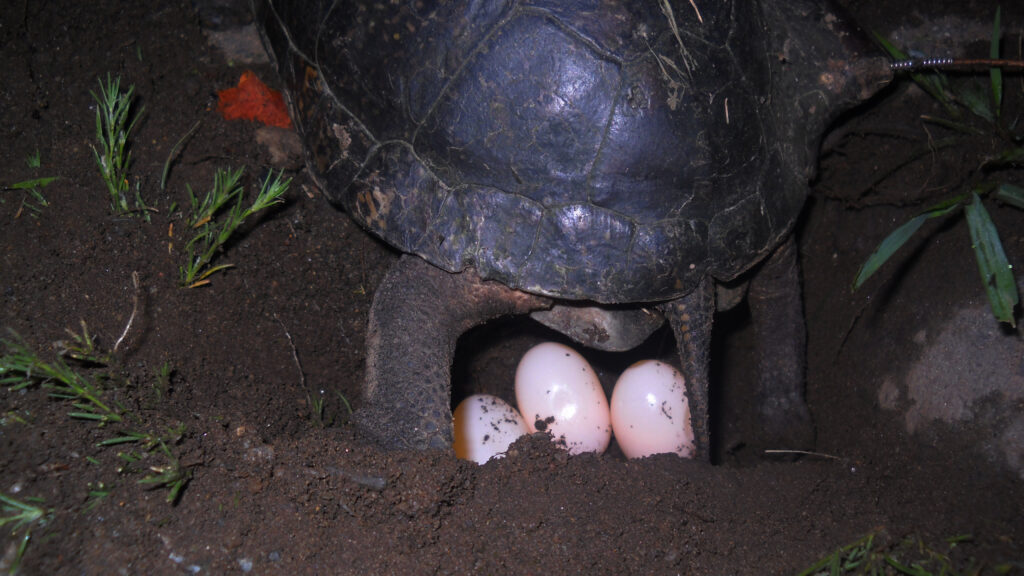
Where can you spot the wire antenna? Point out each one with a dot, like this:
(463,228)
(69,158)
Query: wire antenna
(970,64)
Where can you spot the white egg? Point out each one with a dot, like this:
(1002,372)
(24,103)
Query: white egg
(485,426)
(650,413)
(558,392)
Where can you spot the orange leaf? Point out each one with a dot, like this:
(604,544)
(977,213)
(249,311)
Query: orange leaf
(253,100)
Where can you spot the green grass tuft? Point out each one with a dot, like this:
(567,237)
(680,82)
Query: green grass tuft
(21,515)
(114,124)
(172,475)
(21,368)
(985,104)
(212,234)
(34,160)
(875,555)
(33,187)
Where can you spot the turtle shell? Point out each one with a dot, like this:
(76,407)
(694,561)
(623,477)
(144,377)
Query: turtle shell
(613,151)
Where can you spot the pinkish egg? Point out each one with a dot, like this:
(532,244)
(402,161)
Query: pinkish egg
(558,392)
(485,426)
(650,413)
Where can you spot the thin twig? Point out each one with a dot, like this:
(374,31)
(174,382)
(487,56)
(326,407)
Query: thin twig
(805,453)
(695,9)
(670,16)
(135,309)
(295,352)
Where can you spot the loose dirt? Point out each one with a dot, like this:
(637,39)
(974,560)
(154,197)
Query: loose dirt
(240,364)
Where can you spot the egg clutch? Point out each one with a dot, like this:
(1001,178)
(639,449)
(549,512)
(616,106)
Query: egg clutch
(558,392)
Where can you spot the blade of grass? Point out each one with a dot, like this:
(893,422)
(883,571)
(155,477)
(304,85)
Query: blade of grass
(202,277)
(1010,157)
(270,193)
(97,492)
(906,570)
(996,74)
(225,187)
(996,272)
(35,183)
(148,440)
(974,97)
(172,476)
(895,240)
(174,152)
(82,347)
(844,559)
(34,160)
(32,188)
(953,125)
(1012,195)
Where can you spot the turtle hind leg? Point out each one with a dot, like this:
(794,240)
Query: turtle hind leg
(691,317)
(418,313)
(776,310)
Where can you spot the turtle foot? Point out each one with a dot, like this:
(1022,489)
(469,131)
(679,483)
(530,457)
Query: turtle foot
(418,313)
(777,312)
(402,427)
(786,425)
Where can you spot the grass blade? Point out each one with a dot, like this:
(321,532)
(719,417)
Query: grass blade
(844,559)
(225,188)
(270,193)
(895,240)
(36,183)
(996,272)
(996,74)
(1012,195)
(173,154)
(19,513)
(34,160)
(979,102)
(1008,158)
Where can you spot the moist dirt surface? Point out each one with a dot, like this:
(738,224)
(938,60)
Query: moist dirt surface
(229,376)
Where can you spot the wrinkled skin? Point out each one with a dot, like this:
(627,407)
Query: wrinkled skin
(603,152)
(408,392)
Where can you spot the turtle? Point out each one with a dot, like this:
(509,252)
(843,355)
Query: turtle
(603,165)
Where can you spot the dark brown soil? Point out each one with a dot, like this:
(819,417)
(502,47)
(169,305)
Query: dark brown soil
(275,489)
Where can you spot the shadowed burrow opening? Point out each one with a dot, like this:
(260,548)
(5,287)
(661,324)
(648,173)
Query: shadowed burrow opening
(487,356)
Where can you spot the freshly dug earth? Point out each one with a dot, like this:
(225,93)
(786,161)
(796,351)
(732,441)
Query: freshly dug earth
(242,363)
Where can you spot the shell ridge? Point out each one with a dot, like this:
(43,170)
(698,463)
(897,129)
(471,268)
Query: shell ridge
(518,276)
(609,121)
(319,32)
(513,13)
(430,226)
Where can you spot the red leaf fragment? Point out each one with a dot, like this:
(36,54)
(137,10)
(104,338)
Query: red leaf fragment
(253,100)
